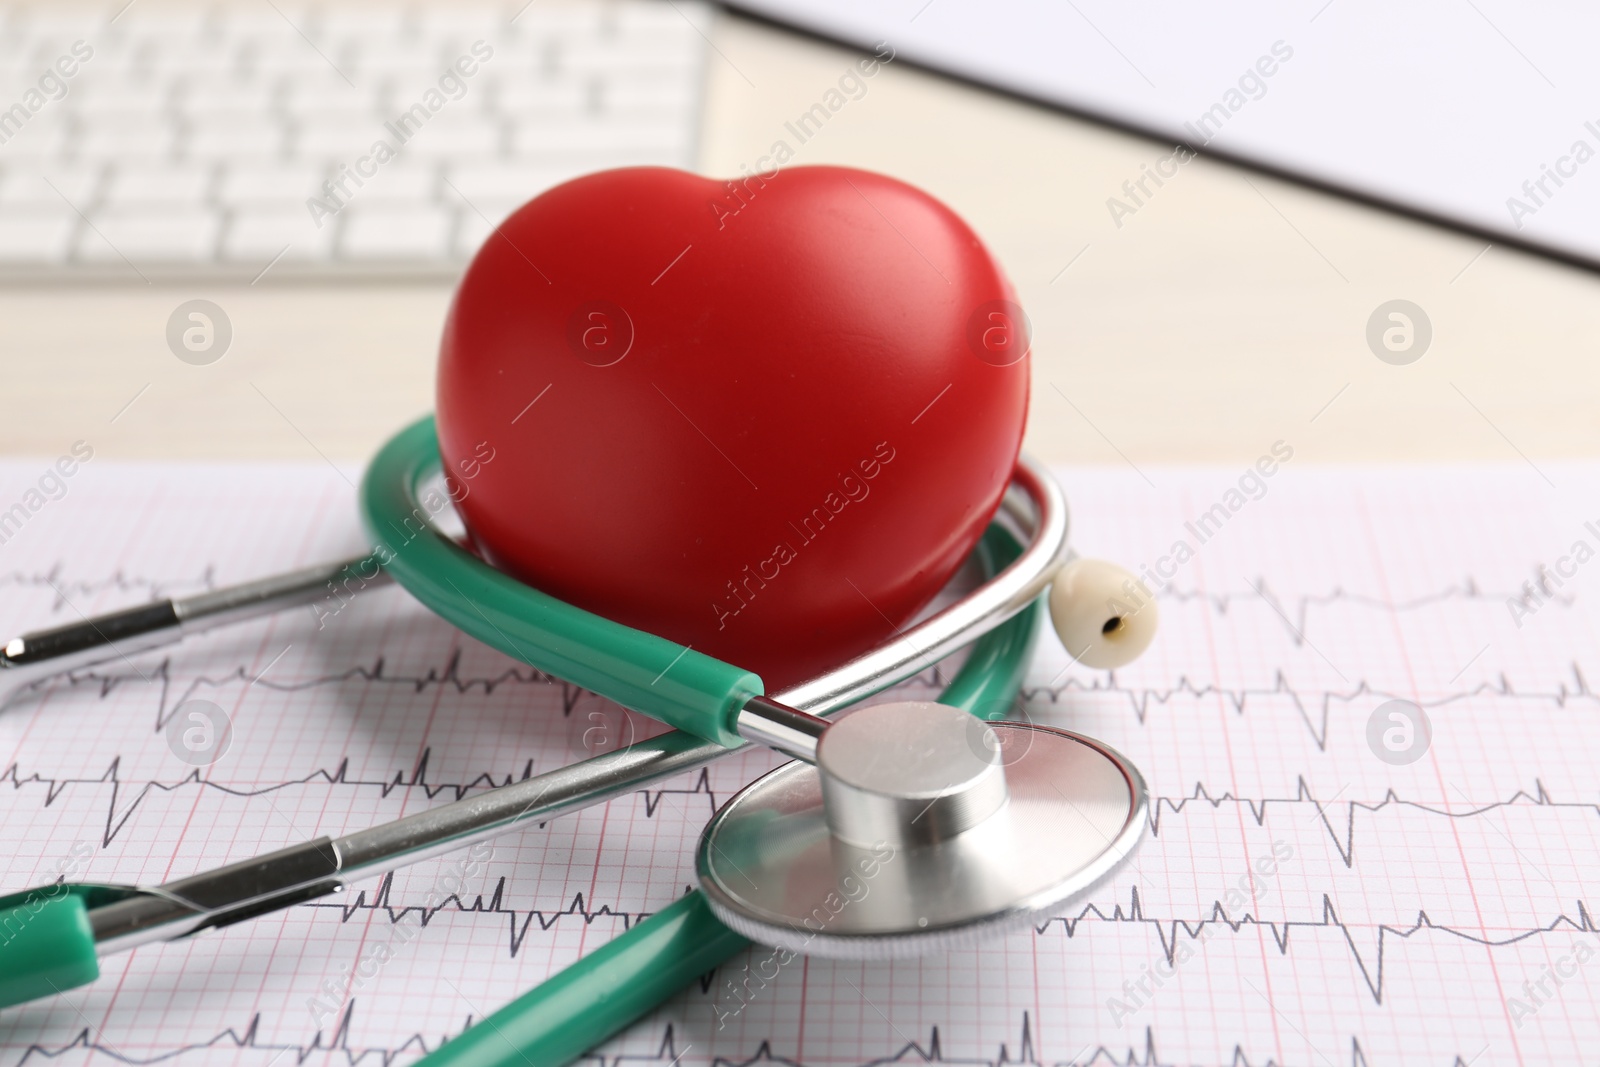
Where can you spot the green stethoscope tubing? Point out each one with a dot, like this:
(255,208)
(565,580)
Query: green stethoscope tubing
(625,979)
(680,687)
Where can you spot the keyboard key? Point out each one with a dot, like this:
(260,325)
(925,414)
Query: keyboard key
(453,135)
(222,136)
(422,233)
(630,140)
(261,234)
(44,137)
(513,183)
(133,185)
(542,98)
(37,235)
(135,58)
(633,96)
(342,137)
(113,121)
(323,92)
(600,56)
(658,19)
(421,59)
(146,235)
(93,92)
(331,25)
(164,24)
(44,35)
(103,138)
(407,180)
(246,22)
(556,20)
(50,189)
(462,22)
(227,97)
(284,54)
(204,63)
(279,184)
(368,109)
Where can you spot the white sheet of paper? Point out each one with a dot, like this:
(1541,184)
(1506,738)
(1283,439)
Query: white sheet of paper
(1298,899)
(1476,113)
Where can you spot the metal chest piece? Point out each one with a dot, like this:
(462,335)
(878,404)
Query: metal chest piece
(921,828)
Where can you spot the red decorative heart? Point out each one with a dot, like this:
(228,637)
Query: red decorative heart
(766,418)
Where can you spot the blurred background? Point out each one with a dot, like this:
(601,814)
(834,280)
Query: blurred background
(153,155)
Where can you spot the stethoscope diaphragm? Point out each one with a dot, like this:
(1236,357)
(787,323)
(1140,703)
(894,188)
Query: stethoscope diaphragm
(922,866)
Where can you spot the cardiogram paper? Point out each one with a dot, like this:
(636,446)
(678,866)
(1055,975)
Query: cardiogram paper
(1302,894)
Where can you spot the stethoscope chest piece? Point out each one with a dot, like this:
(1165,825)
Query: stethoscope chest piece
(920,828)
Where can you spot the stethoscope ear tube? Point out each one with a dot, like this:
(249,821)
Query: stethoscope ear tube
(992,675)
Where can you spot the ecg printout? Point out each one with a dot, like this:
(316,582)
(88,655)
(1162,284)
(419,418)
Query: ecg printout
(1439,911)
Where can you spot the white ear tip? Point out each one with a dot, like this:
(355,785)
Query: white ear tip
(1103,616)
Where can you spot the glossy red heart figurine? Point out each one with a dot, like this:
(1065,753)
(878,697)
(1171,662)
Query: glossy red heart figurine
(766,418)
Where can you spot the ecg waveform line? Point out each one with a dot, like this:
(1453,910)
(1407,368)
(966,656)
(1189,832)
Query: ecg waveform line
(1345,845)
(1314,708)
(449,676)
(666,1053)
(63,587)
(172,695)
(1299,608)
(115,822)
(1296,608)
(240,1039)
(1140,700)
(117,816)
(1162,807)
(520,920)
(1371,972)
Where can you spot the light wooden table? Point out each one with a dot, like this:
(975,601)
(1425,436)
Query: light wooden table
(1225,314)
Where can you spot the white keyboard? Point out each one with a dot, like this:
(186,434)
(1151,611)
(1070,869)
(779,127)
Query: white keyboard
(245,138)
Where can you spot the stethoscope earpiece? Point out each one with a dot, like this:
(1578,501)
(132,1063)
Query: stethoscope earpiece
(1103,614)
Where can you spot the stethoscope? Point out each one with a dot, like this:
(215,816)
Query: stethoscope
(899,829)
